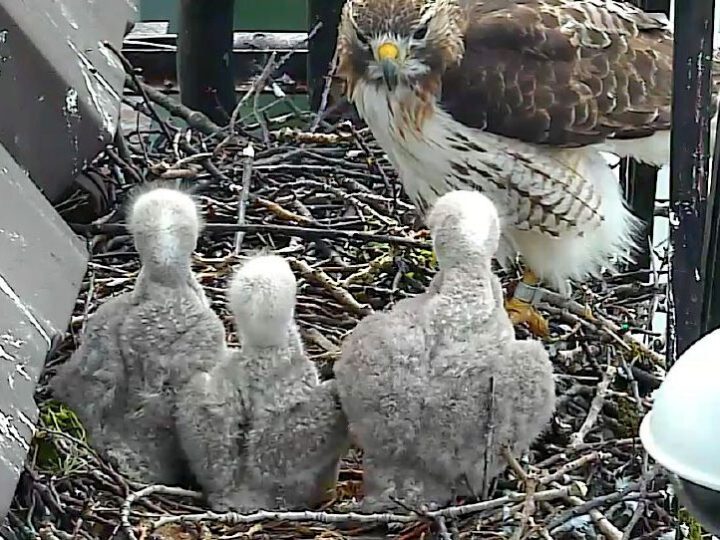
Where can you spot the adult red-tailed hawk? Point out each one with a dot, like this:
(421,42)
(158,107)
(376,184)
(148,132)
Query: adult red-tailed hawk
(517,99)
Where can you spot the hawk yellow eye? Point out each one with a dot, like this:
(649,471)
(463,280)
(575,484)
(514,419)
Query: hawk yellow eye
(388,51)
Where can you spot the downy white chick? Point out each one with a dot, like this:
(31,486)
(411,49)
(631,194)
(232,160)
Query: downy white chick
(261,430)
(423,384)
(139,348)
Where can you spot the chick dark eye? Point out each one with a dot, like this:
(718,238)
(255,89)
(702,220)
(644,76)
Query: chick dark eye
(420,33)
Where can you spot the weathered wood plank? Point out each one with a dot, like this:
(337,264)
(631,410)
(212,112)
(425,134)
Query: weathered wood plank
(59,85)
(42,264)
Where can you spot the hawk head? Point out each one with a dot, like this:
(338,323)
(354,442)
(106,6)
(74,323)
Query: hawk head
(399,43)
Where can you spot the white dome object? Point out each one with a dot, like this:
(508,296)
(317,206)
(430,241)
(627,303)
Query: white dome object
(682,432)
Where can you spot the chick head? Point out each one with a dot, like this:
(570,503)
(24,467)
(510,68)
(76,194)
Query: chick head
(165,224)
(465,228)
(262,298)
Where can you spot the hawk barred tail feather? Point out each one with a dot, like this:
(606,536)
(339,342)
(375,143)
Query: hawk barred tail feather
(518,100)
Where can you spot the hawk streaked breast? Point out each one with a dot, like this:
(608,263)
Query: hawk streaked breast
(517,99)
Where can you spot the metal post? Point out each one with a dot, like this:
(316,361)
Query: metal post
(711,248)
(640,183)
(204,57)
(689,170)
(322,47)
(639,179)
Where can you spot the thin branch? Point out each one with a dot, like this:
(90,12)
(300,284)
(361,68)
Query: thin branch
(489,436)
(248,157)
(283,230)
(340,294)
(233,518)
(576,439)
(257,87)
(149,490)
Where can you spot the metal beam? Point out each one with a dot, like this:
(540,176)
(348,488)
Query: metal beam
(711,247)
(640,185)
(322,46)
(640,180)
(151,48)
(204,56)
(689,170)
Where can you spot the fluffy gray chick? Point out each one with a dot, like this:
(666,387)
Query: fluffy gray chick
(261,430)
(140,347)
(423,384)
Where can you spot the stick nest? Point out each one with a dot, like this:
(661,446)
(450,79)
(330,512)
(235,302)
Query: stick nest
(325,199)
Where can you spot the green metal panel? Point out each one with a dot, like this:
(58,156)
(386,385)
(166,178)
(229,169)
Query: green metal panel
(271,15)
(250,15)
(158,10)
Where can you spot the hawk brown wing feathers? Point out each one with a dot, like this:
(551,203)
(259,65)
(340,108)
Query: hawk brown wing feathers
(562,72)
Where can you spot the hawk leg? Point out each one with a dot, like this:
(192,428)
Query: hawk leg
(520,308)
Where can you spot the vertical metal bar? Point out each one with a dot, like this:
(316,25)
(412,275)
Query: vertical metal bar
(639,179)
(692,65)
(640,183)
(204,57)
(711,247)
(322,47)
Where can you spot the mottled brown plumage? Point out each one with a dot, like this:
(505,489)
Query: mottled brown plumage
(562,72)
(557,72)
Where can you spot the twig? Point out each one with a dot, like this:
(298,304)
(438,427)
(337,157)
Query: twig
(257,86)
(604,524)
(283,213)
(627,341)
(648,475)
(489,439)
(49,532)
(248,157)
(528,508)
(271,65)
(337,291)
(442,528)
(194,119)
(633,341)
(325,93)
(515,465)
(578,438)
(232,518)
(373,164)
(89,296)
(572,466)
(149,490)
(531,483)
(133,80)
(286,230)
(307,137)
(585,507)
(637,514)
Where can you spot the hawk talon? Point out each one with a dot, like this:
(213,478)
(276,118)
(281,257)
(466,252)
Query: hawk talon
(521,311)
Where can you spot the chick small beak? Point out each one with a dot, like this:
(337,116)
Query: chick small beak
(388,54)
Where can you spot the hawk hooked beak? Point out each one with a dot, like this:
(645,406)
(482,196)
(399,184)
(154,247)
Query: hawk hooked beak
(388,54)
